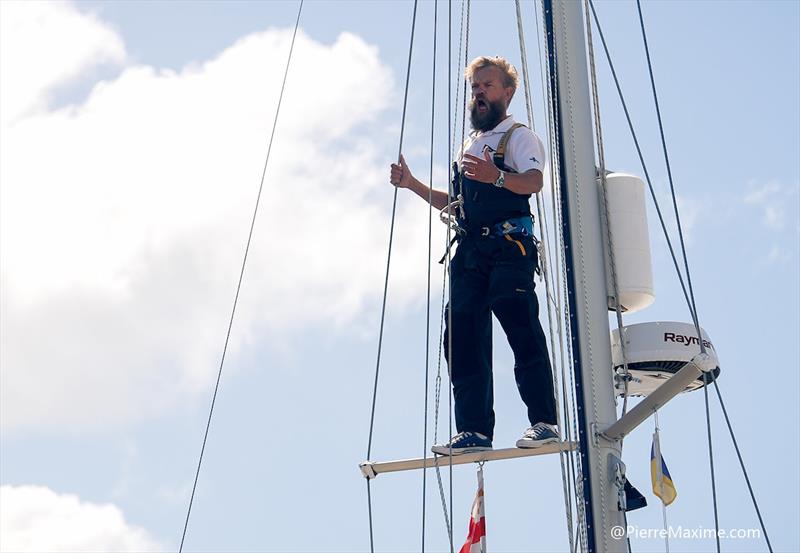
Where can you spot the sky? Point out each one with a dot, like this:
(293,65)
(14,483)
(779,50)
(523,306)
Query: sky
(132,140)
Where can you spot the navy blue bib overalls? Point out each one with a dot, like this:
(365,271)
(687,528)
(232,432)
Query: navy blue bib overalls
(493,273)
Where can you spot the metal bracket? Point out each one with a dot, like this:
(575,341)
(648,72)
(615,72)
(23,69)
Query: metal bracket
(368,470)
(598,436)
(621,377)
(595,434)
(616,470)
(703,362)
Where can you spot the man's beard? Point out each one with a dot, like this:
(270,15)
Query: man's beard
(489,119)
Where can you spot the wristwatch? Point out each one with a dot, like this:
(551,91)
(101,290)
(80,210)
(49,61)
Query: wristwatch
(501,180)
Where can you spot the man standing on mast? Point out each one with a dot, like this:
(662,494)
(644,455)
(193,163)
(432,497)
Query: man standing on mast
(492,270)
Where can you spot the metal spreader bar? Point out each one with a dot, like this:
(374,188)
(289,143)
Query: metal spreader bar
(700,363)
(371,469)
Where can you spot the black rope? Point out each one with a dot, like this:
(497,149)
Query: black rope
(369,511)
(450,288)
(641,160)
(584,473)
(689,295)
(546,273)
(669,176)
(560,260)
(685,264)
(741,463)
(386,280)
(450,138)
(241,277)
(711,462)
(428,290)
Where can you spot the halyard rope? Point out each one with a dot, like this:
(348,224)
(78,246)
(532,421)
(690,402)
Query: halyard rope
(428,277)
(386,280)
(546,275)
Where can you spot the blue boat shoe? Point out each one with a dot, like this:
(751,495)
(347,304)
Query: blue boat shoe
(537,435)
(464,442)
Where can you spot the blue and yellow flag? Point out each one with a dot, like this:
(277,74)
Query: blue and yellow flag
(663,486)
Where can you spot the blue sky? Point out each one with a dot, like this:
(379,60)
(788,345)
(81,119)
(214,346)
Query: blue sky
(133,135)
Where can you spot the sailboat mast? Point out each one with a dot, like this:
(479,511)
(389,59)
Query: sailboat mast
(586,277)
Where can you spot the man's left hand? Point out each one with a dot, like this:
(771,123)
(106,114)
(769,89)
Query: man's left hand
(481,169)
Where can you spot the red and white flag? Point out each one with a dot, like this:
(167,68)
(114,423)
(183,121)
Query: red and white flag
(476,538)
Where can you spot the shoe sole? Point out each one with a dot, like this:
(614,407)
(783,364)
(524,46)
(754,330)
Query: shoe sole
(458,451)
(531,444)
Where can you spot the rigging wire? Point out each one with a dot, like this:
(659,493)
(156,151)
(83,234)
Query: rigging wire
(562,293)
(544,255)
(554,282)
(657,439)
(465,21)
(582,380)
(691,290)
(688,274)
(741,463)
(605,221)
(241,277)
(386,280)
(642,161)
(711,462)
(689,300)
(428,289)
(452,138)
(451,141)
(669,176)
(604,214)
(690,296)
(449,259)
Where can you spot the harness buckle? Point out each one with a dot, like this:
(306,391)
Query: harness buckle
(522,226)
(452,213)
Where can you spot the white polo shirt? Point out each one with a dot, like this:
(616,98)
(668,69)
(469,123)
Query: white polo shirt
(524,151)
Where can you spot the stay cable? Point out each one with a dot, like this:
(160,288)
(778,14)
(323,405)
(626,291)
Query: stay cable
(241,277)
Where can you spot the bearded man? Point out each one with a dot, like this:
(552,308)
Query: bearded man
(498,169)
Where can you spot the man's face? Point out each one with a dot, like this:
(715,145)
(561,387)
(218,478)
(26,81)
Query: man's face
(490,98)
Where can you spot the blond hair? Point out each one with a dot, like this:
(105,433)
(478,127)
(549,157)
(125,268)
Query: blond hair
(510,76)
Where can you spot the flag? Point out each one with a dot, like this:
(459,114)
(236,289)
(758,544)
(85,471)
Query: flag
(663,486)
(476,537)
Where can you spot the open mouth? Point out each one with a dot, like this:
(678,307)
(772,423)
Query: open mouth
(482,106)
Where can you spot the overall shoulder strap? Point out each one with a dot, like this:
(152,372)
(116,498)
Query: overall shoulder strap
(500,154)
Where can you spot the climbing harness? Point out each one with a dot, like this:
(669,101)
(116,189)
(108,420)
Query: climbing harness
(499,155)
(521,227)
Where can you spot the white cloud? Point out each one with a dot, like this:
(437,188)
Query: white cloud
(124,220)
(36,519)
(778,255)
(46,44)
(776,202)
(689,209)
